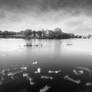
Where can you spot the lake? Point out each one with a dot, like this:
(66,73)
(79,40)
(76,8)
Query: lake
(64,52)
(69,58)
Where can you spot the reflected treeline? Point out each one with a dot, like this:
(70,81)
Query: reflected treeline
(57,33)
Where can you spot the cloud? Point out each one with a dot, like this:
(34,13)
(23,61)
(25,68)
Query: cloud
(70,15)
(79,24)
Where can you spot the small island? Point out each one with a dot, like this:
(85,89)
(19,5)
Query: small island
(57,33)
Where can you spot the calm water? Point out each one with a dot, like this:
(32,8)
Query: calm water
(62,52)
(48,64)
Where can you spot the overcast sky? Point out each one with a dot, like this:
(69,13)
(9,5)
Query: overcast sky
(70,15)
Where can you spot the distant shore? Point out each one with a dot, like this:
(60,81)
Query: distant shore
(41,34)
(28,38)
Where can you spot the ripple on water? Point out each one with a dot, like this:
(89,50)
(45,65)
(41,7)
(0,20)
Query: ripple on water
(72,80)
(45,88)
(47,77)
(88,84)
(82,70)
(56,71)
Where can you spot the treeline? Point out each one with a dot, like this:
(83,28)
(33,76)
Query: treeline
(57,33)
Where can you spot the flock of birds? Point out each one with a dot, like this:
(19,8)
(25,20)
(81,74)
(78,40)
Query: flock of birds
(11,74)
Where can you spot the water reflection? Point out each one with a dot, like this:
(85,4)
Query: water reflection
(10,46)
(48,50)
(58,46)
(53,65)
(79,46)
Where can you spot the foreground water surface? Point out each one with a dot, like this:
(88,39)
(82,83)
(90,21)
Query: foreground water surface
(39,68)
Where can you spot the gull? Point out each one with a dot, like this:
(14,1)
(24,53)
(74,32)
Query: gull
(38,70)
(35,62)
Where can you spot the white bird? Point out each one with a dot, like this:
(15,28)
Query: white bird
(38,70)
(35,62)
